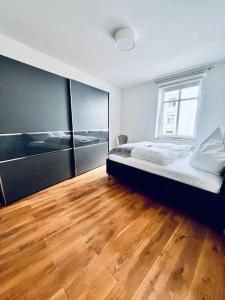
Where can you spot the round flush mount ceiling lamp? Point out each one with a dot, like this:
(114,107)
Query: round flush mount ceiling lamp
(125,39)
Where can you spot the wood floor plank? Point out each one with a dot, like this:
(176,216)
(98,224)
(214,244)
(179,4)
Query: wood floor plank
(100,286)
(70,254)
(123,240)
(121,264)
(12,265)
(60,295)
(160,271)
(38,280)
(94,238)
(210,271)
(130,281)
(113,223)
(182,273)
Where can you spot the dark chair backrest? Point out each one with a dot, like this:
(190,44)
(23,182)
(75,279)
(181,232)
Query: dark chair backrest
(122,139)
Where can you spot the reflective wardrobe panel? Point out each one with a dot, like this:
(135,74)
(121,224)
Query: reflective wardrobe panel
(90,126)
(36,147)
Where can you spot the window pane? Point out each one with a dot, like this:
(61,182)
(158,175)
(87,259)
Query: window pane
(187,117)
(169,118)
(190,92)
(171,95)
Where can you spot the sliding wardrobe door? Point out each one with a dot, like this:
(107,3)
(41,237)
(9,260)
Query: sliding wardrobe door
(90,126)
(35,130)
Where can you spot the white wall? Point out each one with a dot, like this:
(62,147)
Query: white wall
(139,107)
(16,50)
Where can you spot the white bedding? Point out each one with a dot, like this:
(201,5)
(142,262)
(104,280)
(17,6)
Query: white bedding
(179,170)
(155,155)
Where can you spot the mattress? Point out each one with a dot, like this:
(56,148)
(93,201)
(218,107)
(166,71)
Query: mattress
(179,170)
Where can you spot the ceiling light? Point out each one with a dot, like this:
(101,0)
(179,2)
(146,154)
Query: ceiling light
(125,39)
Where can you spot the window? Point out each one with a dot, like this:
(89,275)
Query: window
(178,107)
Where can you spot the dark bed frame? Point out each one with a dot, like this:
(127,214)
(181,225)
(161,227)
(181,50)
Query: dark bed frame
(206,206)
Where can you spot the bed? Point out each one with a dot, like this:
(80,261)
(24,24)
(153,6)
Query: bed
(194,191)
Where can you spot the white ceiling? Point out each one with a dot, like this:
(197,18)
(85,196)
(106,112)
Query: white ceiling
(171,34)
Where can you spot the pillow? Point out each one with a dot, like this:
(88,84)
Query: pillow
(210,155)
(154,154)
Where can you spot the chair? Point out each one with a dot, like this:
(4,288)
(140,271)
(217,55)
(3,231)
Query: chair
(122,139)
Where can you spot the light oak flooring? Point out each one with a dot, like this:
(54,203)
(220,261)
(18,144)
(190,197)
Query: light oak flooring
(90,238)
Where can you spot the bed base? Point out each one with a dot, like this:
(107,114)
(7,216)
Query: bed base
(206,206)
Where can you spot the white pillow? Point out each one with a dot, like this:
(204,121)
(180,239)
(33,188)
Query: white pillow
(210,155)
(154,154)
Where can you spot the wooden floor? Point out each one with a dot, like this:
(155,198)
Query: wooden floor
(90,238)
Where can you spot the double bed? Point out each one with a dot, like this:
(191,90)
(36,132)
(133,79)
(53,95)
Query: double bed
(178,183)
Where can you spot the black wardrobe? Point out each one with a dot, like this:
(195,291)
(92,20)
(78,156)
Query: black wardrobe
(51,129)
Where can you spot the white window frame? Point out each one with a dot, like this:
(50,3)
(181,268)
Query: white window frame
(159,118)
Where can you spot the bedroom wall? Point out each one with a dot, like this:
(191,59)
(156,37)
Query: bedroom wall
(139,107)
(16,50)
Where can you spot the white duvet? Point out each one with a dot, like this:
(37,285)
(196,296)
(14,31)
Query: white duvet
(161,153)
